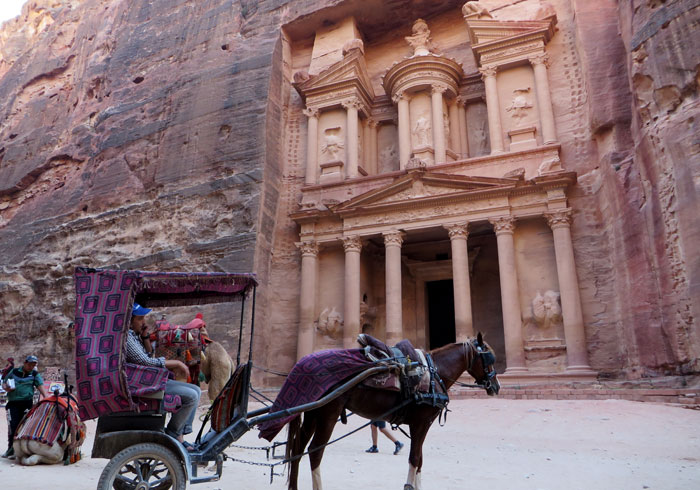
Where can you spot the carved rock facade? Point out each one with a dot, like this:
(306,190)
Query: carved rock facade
(221,140)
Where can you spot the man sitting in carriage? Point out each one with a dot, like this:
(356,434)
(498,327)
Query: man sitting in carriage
(181,421)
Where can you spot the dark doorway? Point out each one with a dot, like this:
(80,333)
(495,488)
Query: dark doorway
(441,313)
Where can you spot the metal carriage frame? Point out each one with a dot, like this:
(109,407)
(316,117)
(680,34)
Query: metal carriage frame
(132,438)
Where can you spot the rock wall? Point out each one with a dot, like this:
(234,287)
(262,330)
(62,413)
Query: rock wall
(165,135)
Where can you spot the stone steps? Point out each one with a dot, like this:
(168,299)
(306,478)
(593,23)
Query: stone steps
(681,396)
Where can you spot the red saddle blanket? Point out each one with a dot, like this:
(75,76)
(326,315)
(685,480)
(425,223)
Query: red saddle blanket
(311,378)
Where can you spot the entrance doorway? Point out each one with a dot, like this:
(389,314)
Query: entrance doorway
(441,312)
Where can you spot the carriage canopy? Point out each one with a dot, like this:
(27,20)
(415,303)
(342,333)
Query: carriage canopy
(103,303)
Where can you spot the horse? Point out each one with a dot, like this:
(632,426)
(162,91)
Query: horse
(474,356)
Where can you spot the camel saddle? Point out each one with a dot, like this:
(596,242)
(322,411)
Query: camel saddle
(405,376)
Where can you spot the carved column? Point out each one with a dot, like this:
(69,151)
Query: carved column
(307,298)
(401,100)
(455,141)
(494,112)
(544,97)
(510,302)
(373,150)
(351,329)
(311,146)
(394,320)
(462,119)
(351,106)
(460,279)
(438,124)
(576,352)
(365,146)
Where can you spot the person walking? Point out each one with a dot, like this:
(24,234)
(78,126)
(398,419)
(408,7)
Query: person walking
(19,384)
(380,425)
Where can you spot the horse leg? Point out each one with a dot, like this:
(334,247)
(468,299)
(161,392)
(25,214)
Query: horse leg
(326,419)
(415,459)
(305,432)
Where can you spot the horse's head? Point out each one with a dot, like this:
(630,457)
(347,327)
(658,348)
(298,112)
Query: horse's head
(480,365)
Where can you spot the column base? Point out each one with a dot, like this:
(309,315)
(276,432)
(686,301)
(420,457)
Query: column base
(497,152)
(512,371)
(581,370)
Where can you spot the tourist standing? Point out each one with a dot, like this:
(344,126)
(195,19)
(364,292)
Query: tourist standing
(380,425)
(20,384)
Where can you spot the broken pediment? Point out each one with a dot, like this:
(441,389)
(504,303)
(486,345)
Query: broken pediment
(493,40)
(343,78)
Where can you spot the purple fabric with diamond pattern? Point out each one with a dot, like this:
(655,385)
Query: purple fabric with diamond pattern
(310,379)
(104,298)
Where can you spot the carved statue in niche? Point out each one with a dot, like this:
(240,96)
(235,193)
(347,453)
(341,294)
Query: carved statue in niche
(330,323)
(388,158)
(475,8)
(546,309)
(520,105)
(421,132)
(333,145)
(420,39)
(446,125)
(480,134)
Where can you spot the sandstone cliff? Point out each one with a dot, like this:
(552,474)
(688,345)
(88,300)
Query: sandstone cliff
(150,135)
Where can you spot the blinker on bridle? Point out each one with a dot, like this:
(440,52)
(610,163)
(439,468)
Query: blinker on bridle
(487,360)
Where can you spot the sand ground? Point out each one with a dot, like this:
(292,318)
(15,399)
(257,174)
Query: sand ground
(490,444)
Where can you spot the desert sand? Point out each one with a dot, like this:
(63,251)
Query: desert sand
(494,444)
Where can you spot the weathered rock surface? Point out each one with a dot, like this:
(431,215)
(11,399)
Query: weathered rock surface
(159,135)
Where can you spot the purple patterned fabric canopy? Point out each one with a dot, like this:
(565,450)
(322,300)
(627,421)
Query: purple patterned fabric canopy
(103,303)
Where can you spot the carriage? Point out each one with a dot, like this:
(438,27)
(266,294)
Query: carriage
(129,402)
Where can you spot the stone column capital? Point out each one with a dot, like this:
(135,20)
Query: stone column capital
(461,100)
(372,123)
(352,103)
(558,219)
(503,224)
(311,112)
(393,238)
(457,230)
(539,59)
(352,244)
(488,71)
(399,96)
(308,249)
(438,88)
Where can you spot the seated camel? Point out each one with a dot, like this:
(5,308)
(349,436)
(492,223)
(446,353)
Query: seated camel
(50,433)
(217,367)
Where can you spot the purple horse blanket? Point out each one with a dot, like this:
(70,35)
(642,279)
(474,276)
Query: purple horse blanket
(310,379)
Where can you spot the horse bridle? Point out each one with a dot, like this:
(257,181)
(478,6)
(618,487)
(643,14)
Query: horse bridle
(487,361)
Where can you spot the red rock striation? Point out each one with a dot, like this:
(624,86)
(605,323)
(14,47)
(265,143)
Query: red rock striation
(152,135)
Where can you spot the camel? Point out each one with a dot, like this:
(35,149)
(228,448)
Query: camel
(59,439)
(217,367)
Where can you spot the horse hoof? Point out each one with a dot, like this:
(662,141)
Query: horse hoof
(408,487)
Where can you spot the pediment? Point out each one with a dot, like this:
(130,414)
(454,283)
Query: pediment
(426,186)
(351,69)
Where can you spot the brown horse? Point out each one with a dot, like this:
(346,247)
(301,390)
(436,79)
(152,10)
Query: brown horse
(473,356)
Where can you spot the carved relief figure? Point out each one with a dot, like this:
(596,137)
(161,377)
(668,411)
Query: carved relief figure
(388,158)
(481,139)
(546,309)
(475,8)
(333,145)
(520,105)
(550,165)
(330,323)
(420,39)
(421,132)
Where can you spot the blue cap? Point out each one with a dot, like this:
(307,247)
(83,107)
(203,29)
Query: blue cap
(139,310)
(31,359)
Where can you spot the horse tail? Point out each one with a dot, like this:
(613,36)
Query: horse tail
(293,450)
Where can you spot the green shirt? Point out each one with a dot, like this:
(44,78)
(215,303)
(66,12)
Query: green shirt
(24,384)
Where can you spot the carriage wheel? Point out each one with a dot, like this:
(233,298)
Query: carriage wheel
(144,466)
